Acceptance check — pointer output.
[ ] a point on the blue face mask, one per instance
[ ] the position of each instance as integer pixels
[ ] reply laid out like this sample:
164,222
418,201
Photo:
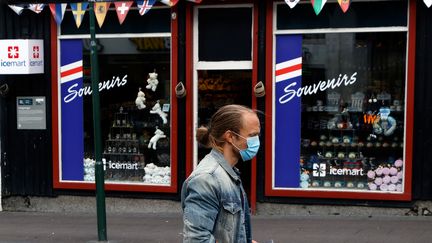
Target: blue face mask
253,144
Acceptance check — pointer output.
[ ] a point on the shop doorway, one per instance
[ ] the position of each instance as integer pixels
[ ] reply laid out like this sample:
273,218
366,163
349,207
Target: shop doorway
217,88
222,54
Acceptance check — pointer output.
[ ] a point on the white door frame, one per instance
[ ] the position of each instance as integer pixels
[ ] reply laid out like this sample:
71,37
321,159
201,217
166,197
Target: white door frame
221,65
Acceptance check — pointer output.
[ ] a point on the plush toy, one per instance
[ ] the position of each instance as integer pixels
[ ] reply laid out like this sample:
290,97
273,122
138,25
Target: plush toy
304,180
384,123
158,135
139,101
152,81
157,110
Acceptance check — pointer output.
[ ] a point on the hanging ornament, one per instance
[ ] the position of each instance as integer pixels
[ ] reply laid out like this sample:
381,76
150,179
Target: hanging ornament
318,5
37,8
58,10
292,3
145,5
17,8
78,11
344,4
101,9
170,3
122,9
428,2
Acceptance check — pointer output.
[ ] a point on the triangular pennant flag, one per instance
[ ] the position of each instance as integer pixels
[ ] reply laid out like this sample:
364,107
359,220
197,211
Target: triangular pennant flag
101,9
37,8
145,5
318,5
170,3
428,2
17,9
78,11
344,4
58,10
122,9
292,3
199,1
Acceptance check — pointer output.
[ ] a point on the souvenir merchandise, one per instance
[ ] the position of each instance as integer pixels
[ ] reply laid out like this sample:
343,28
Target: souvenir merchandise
152,81
139,101
156,109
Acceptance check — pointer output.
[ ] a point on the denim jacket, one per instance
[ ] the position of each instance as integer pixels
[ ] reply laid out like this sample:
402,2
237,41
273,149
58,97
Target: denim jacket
214,203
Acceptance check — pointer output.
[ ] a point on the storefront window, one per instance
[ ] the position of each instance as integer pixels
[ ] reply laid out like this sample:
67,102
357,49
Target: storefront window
135,102
339,108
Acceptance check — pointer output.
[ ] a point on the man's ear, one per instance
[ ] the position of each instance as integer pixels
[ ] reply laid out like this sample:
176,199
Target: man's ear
227,136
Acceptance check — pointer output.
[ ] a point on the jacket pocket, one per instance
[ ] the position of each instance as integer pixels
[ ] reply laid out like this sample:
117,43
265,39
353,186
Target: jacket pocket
230,215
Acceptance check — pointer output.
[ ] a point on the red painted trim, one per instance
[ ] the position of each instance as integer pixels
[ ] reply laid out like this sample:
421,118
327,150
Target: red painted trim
406,196
189,86
269,99
410,97
253,192
174,79
54,103
174,135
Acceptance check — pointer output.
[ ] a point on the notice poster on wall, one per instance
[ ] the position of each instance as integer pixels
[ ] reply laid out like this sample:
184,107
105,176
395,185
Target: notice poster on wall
31,112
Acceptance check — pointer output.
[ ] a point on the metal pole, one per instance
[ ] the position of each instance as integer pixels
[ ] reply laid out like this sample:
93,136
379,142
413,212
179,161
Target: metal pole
99,172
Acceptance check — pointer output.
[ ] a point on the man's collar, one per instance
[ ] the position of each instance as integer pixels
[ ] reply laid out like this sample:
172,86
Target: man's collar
232,171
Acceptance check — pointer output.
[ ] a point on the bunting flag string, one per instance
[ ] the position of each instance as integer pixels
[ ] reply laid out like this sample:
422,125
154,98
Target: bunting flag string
292,3
78,11
122,9
344,4
37,8
144,6
170,3
428,2
318,5
101,10
58,10
17,9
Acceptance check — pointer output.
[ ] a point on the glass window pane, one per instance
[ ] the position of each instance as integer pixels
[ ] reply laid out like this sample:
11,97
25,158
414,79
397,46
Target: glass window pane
219,43
350,98
135,109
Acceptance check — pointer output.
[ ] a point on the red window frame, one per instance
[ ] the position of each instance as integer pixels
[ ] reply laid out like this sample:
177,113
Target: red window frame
406,195
58,184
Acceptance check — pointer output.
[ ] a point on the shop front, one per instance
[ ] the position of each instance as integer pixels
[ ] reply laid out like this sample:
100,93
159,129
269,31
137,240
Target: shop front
341,110
336,109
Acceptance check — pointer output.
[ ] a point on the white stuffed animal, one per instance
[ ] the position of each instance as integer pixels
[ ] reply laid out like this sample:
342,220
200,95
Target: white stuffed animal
158,135
139,101
157,110
152,81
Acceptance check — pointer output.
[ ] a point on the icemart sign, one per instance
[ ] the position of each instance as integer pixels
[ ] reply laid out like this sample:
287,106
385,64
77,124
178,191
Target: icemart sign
19,56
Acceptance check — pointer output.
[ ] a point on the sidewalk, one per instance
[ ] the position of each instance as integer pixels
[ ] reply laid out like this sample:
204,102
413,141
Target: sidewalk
147,227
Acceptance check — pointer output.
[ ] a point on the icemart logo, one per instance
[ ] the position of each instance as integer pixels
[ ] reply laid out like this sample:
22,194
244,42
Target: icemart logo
320,170
13,52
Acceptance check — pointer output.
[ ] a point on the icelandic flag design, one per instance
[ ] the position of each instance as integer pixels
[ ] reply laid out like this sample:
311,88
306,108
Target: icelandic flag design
344,4
288,77
318,5
145,5
72,122
292,3
58,10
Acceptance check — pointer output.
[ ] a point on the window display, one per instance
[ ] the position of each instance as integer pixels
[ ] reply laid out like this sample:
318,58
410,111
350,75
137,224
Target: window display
339,109
135,90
